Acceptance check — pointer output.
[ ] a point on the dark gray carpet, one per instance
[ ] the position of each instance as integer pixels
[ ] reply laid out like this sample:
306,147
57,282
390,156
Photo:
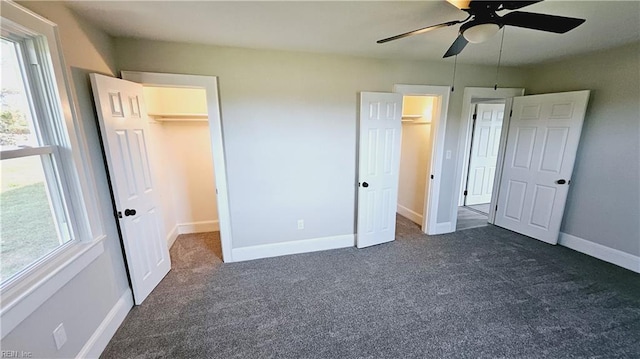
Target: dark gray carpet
469,218
478,293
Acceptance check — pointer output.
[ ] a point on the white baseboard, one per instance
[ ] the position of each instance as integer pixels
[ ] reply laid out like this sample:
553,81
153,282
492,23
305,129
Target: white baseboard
101,337
293,247
412,215
198,227
172,236
614,256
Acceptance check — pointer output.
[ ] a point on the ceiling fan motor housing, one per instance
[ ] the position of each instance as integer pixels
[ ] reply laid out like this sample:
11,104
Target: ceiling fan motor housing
483,22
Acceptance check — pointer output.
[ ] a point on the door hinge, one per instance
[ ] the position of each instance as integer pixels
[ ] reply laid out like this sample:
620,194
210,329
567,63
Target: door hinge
496,207
475,116
431,176
510,113
465,192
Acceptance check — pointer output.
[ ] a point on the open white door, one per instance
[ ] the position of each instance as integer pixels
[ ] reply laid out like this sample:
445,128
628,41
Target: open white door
123,125
484,152
541,148
379,164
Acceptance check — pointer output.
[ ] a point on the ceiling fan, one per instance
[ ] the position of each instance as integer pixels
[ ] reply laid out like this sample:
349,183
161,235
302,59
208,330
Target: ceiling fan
483,22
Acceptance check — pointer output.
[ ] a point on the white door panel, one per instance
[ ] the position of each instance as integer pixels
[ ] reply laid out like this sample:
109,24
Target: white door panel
379,164
541,148
484,152
123,125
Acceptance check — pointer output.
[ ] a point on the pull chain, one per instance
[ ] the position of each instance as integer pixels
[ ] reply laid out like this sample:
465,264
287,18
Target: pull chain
453,80
495,87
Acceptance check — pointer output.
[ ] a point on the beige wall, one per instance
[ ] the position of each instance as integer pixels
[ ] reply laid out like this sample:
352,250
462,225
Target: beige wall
182,157
83,302
190,171
414,160
183,170
160,162
604,198
289,124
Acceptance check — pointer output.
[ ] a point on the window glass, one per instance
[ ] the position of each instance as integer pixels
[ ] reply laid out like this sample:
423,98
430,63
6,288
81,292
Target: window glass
33,216
16,127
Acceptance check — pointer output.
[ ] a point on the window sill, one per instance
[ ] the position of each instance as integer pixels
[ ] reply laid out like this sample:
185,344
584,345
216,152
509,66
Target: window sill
22,300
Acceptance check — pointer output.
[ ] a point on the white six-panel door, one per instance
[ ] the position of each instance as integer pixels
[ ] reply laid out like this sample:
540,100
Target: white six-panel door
484,152
123,125
541,148
379,164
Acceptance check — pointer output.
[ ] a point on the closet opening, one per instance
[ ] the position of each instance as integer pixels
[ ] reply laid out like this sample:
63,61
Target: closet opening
415,156
181,150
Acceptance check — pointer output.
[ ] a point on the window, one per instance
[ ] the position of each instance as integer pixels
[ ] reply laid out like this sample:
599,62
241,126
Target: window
50,225
34,216
45,212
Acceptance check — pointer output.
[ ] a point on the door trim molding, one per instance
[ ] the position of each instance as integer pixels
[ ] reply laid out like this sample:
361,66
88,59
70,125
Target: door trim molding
607,254
292,247
466,122
430,223
210,84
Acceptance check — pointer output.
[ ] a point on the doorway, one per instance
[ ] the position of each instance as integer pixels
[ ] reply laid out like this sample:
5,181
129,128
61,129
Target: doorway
180,147
209,121
415,156
434,111
481,148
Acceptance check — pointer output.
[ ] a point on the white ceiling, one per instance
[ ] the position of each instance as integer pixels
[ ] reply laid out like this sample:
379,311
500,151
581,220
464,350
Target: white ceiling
352,27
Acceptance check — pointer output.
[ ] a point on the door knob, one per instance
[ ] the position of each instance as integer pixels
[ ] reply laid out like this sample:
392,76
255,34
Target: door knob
365,184
561,181
129,212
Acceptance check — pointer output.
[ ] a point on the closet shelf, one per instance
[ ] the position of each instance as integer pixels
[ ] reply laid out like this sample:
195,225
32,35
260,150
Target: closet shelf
179,116
414,119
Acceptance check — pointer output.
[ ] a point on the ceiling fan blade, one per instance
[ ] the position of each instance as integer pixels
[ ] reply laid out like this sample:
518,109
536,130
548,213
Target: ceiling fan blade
543,22
420,31
497,5
456,47
514,5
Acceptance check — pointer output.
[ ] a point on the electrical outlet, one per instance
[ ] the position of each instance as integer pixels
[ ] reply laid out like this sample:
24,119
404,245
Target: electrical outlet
301,224
60,336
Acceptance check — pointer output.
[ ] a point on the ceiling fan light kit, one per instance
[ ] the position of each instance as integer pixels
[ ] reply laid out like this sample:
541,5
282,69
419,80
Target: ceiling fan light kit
483,22
480,33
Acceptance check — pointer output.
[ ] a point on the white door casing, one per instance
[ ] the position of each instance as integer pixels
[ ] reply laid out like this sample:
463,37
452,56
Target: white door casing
378,167
472,95
540,153
430,223
210,84
124,128
484,152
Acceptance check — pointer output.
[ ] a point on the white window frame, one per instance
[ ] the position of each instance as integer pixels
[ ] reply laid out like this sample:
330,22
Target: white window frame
26,291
